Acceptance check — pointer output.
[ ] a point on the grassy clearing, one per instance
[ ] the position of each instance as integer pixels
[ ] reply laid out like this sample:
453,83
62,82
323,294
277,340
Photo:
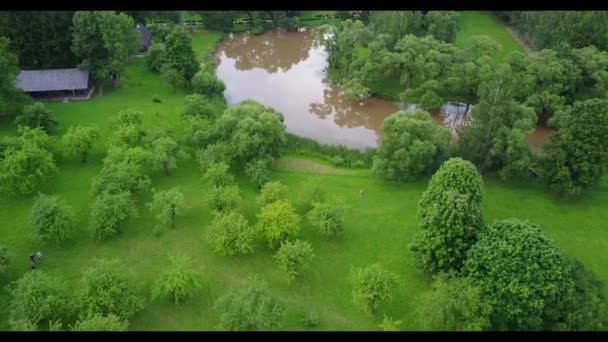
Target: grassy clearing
379,227
473,23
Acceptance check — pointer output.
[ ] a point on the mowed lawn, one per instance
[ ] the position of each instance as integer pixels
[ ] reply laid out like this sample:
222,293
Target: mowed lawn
378,228
476,23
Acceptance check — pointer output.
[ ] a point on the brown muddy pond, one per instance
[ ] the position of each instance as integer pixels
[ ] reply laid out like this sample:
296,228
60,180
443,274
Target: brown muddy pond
286,71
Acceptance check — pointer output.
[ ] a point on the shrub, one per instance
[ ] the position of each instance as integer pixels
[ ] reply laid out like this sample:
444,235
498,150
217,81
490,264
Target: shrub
231,234
311,319
278,222
293,258
371,286
224,198
52,219
178,281
272,192
328,218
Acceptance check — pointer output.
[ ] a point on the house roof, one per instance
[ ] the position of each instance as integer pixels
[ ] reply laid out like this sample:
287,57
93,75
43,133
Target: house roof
53,79
145,35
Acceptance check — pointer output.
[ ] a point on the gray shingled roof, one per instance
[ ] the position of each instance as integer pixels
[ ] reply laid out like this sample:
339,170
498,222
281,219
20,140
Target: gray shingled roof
53,79
145,35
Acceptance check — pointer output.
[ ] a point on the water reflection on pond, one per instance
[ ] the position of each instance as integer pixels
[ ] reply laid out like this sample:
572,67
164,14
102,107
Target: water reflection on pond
284,70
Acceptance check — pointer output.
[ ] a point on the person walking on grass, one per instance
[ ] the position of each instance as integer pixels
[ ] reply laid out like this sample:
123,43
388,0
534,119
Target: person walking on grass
362,193
33,261
39,255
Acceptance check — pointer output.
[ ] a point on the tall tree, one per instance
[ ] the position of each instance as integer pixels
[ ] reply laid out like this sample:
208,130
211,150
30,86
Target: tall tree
104,41
179,54
12,98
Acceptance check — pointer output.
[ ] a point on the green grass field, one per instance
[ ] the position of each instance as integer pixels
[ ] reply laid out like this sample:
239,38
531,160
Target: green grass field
476,23
378,227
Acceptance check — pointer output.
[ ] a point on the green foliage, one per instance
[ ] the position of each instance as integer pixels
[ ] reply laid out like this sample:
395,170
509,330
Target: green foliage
252,130
217,153
258,171
312,193
107,289
27,162
218,20
254,307
442,24
172,76
12,99
411,146
179,55
179,281
98,322
389,324
52,218
37,115
576,158
120,177
521,273
454,304
311,319
328,217
231,234
109,211
293,258
203,106
372,285
200,132
217,174
155,59
103,42
78,141
37,297
166,205
278,222
165,152
272,192
4,260
206,83
225,197
348,157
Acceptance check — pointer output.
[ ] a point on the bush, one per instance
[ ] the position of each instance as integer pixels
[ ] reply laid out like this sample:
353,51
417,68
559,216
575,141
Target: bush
328,218
258,171
218,175
109,211
231,234
52,219
78,141
166,205
156,99
156,57
312,193
36,115
199,105
224,198
214,154
371,286
389,324
178,281
206,83
272,192
254,307
106,290
294,257
101,323
351,157
278,222
311,319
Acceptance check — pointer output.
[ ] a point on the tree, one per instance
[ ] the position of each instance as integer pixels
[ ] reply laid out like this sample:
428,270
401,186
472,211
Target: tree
41,39
98,322
107,289
37,115
172,76
217,175
218,20
312,193
12,99
272,192
412,145
328,217
78,141
27,162
442,25
231,234
259,172
179,281
179,54
216,153
206,83
155,57
103,42
293,258
120,177
109,211
278,222
166,205
200,131
165,152
3,263
52,218
253,307
252,130
576,158
454,304
36,298
372,285
203,106
225,197
521,273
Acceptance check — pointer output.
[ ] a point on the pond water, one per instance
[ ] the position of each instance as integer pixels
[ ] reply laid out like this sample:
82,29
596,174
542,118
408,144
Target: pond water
284,70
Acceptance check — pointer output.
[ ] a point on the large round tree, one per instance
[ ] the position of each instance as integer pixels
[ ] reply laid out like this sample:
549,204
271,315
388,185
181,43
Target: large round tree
522,274
450,217
412,145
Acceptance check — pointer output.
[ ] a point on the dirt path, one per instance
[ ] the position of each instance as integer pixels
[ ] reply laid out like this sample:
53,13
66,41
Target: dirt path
306,165
524,42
